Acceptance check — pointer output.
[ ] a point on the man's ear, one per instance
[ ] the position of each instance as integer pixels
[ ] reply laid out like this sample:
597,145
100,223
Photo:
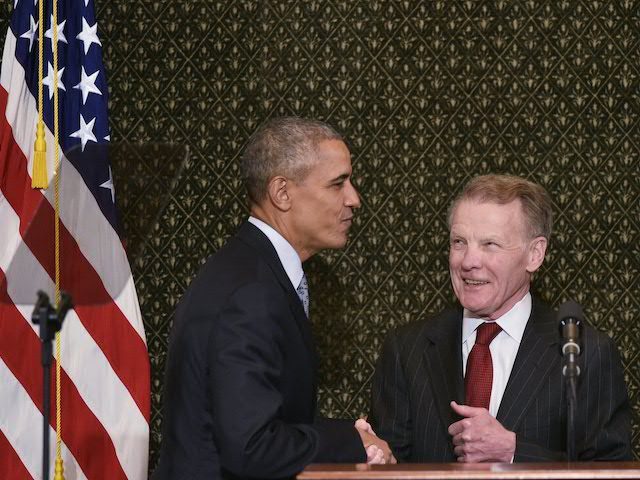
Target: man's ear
537,250
278,193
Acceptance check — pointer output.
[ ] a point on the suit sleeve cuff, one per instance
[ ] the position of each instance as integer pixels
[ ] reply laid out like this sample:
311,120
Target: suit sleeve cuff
338,442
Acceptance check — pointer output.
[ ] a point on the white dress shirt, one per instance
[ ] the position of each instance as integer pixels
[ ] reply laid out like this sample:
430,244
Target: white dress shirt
504,346
289,258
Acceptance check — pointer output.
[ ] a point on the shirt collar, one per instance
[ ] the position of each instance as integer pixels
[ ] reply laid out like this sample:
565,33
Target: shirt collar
286,253
513,322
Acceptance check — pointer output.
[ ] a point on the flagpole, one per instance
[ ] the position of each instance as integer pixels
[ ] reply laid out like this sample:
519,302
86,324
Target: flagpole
59,466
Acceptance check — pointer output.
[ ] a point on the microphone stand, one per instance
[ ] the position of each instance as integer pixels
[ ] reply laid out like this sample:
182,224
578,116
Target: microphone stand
571,372
571,317
50,321
572,399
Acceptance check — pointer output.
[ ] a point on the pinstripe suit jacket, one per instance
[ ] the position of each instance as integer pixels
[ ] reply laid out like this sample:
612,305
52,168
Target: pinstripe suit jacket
420,372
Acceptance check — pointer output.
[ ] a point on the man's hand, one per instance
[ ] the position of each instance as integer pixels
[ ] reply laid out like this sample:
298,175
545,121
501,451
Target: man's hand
378,451
479,437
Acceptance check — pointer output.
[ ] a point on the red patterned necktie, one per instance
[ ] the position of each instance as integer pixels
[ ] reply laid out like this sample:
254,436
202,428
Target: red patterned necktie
477,381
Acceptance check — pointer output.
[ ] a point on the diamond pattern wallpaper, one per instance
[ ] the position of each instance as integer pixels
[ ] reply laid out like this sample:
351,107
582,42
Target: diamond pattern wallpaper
428,94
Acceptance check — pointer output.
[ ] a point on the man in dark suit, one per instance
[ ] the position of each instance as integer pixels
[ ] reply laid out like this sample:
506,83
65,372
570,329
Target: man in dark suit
240,392
483,382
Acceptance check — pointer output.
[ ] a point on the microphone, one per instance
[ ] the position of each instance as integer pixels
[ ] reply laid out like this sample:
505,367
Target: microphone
571,318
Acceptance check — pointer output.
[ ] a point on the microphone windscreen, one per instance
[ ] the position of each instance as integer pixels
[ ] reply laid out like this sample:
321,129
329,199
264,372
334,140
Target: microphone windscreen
570,309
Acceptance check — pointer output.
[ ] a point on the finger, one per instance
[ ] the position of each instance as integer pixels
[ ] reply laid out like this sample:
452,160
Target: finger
460,426
466,449
456,428
388,456
467,457
363,425
374,461
372,452
457,439
377,459
467,411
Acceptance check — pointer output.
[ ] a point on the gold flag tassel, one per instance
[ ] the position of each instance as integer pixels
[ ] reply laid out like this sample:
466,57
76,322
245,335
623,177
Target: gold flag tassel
59,466
39,177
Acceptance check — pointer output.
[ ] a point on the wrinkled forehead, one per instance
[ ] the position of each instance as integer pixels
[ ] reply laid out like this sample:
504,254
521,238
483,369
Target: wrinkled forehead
477,215
479,202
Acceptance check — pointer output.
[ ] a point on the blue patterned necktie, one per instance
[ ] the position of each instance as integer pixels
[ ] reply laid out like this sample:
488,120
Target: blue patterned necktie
303,293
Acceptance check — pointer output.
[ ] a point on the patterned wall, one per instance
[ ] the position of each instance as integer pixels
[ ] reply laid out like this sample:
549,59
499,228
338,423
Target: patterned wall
429,94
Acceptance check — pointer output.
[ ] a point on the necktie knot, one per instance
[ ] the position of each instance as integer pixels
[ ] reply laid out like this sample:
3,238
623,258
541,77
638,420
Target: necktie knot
303,294
487,332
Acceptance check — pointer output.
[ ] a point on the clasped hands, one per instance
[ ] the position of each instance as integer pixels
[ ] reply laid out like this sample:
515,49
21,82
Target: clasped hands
479,437
378,451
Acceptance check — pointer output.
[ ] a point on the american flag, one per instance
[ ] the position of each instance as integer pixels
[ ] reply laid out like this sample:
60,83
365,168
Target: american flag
104,360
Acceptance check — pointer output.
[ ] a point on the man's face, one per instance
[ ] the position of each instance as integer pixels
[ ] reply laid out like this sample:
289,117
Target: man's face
491,258
323,202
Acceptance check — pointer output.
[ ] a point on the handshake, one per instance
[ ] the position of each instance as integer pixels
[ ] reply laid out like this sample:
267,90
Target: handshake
378,451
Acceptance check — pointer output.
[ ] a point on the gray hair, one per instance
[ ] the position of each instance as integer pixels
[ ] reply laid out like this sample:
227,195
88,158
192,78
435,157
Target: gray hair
281,146
502,189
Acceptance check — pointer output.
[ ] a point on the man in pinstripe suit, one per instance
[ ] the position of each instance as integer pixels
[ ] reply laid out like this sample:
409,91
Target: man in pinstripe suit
426,383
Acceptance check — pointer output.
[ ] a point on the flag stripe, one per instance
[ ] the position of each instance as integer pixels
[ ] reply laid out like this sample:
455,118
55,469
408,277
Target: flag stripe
10,464
87,440
25,435
78,277
81,358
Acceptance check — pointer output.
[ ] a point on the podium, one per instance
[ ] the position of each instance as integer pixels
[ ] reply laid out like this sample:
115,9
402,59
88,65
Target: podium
481,471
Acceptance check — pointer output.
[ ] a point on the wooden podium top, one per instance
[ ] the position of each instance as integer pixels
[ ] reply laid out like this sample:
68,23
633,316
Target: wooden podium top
481,471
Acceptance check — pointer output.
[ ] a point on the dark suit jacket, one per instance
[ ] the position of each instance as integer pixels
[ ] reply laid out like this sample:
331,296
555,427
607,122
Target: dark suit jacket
420,372
240,392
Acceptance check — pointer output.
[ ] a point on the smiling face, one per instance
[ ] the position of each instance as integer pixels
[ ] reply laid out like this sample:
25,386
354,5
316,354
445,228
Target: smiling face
322,202
491,258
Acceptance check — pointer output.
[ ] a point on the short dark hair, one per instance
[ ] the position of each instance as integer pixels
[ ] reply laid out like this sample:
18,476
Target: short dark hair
502,189
282,146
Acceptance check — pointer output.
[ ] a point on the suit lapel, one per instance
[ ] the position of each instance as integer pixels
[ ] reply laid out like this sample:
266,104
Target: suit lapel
252,235
537,356
443,361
